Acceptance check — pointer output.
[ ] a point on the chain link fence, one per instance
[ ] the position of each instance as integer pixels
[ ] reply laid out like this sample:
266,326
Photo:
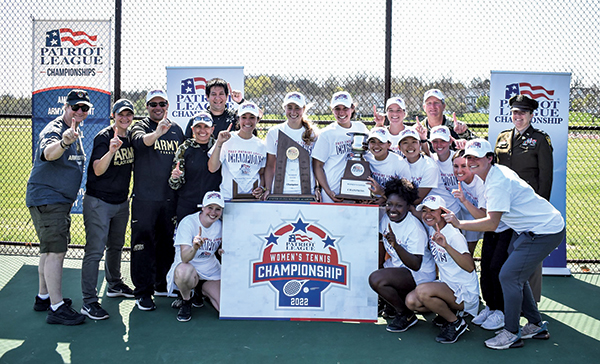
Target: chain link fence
319,47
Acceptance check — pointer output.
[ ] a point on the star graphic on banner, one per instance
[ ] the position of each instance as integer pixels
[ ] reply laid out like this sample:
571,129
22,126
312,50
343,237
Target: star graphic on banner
514,87
189,82
189,89
299,225
48,35
513,94
271,239
55,34
54,41
328,242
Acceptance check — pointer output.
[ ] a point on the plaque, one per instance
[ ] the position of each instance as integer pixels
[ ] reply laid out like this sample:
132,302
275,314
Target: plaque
236,196
354,184
291,174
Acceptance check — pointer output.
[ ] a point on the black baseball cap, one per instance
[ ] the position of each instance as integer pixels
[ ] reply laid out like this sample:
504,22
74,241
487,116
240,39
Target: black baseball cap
79,97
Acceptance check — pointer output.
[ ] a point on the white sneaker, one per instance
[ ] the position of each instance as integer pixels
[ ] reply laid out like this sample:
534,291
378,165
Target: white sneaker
495,321
482,316
504,340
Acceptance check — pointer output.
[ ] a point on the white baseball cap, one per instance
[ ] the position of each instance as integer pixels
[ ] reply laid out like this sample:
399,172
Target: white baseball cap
202,117
433,202
249,107
156,93
435,93
341,98
213,197
440,132
294,98
395,101
380,133
408,132
478,148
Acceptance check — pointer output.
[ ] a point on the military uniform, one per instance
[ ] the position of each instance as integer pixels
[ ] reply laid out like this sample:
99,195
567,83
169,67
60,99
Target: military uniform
530,155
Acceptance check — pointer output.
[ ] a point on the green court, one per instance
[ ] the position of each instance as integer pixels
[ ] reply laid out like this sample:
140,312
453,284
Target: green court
570,304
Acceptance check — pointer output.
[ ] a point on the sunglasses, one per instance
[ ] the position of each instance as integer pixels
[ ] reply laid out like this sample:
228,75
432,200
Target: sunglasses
155,104
83,108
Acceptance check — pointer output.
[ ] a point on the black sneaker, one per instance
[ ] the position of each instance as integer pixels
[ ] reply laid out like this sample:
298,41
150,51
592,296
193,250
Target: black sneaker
65,315
120,290
402,322
389,312
94,311
145,303
185,311
451,331
44,305
439,321
197,301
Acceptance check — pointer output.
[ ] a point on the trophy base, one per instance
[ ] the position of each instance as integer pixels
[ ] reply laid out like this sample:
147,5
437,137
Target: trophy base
289,197
354,189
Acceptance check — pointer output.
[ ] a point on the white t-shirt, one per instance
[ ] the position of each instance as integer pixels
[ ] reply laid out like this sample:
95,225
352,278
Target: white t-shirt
523,210
205,262
426,174
475,193
241,159
394,140
392,166
292,169
447,172
464,284
411,236
334,148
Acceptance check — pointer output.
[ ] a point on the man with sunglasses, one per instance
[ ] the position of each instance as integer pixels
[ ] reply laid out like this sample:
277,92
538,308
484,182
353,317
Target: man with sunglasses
51,190
155,140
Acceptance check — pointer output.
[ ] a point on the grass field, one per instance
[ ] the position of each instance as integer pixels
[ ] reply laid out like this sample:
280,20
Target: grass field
583,186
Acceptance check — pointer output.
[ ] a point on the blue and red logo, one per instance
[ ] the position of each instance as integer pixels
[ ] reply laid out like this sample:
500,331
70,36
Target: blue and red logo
300,260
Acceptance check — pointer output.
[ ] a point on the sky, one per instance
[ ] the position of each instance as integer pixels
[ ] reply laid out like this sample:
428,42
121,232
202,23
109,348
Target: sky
315,39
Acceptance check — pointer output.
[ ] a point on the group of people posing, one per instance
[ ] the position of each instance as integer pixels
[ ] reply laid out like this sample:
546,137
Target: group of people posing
441,188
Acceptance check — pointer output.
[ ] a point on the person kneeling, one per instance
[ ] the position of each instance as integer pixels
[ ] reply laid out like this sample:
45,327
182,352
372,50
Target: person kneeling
457,289
197,239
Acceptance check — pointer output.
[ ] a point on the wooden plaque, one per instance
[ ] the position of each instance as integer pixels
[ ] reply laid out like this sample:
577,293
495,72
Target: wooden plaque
236,196
288,149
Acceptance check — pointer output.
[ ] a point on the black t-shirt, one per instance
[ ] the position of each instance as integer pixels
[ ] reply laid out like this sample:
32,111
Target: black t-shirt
152,166
113,185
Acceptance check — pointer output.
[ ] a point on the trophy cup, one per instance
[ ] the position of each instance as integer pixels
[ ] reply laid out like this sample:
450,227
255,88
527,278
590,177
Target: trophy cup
354,185
290,151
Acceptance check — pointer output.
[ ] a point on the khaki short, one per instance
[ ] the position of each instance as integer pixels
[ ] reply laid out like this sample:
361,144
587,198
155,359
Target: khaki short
52,224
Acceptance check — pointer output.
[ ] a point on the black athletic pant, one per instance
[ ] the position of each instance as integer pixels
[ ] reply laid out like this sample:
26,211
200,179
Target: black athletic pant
152,251
494,253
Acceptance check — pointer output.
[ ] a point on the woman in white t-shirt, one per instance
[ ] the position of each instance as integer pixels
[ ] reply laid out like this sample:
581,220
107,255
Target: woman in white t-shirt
395,110
457,288
197,239
300,129
384,164
404,239
334,146
241,155
539,228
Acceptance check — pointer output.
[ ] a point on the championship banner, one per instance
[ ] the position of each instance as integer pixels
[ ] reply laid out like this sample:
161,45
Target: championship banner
71,54
551,91
299,261
186,87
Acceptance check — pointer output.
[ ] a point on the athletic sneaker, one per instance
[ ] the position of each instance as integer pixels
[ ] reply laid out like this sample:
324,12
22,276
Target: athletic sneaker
504,340
94,311
439,321
197,301
495,321
120,290
533,331
65,315
44,305
452,331
389,312
402,322
185,311
145,303
482,316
